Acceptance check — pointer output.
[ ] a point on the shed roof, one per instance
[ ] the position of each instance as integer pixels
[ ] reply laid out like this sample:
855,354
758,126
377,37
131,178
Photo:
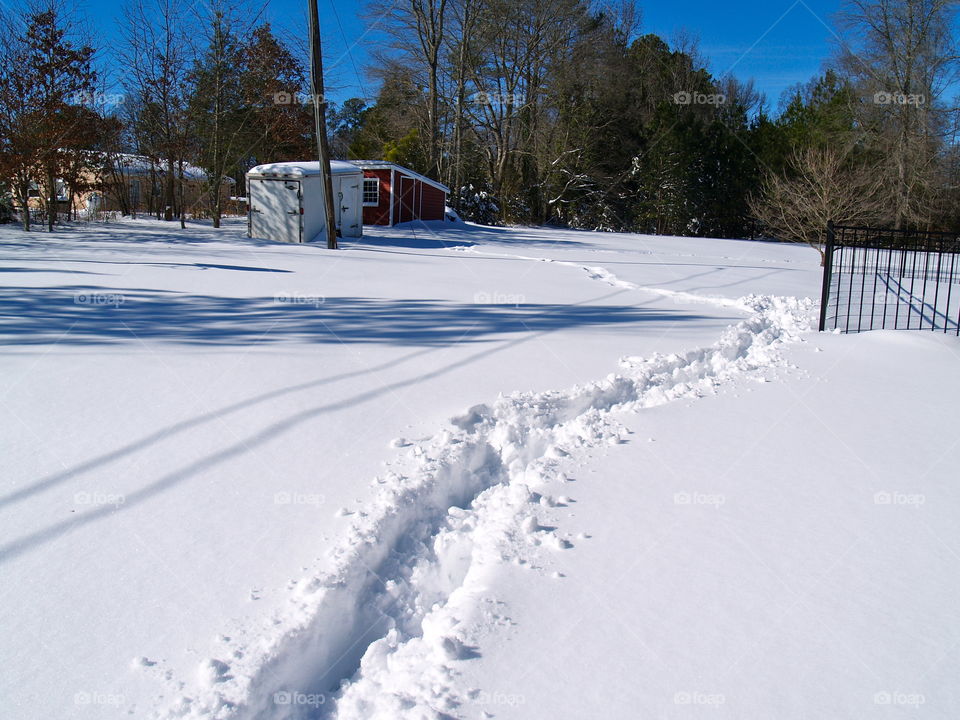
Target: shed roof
301,168
384,165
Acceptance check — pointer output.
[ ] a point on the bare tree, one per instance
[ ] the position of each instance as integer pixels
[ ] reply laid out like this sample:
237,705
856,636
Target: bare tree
461,54
820,186
903,55
520,42
158,53
417,29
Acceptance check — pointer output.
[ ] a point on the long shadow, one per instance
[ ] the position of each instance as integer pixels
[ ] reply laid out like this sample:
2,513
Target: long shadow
176,428
151,231
77,315
19,546
533,329
198,265
46,270
385,250
422,241
437,235
130,322
907,298
243,268
741,281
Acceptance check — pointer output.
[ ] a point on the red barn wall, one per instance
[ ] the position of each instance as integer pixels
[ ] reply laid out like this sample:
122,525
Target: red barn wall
423,201
433,204
379,215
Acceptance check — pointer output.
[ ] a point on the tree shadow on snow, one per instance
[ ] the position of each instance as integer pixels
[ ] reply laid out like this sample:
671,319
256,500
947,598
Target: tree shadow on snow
438,234
40,315
75,315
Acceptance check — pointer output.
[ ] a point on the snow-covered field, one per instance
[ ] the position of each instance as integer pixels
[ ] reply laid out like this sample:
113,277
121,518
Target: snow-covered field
465,472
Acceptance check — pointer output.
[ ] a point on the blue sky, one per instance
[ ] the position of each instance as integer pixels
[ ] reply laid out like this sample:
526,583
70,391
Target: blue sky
777,43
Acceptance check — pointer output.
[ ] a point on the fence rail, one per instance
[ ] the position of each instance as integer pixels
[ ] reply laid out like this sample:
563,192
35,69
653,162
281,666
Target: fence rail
897,279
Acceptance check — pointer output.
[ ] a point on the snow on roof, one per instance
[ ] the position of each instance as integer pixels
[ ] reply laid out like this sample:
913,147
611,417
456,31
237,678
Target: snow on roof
384,165
302,168
142,165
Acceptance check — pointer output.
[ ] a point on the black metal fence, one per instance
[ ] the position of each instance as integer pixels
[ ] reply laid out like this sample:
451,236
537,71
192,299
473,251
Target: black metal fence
896,279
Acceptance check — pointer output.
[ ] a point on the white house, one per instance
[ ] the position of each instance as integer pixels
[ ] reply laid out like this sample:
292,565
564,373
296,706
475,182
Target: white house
286,201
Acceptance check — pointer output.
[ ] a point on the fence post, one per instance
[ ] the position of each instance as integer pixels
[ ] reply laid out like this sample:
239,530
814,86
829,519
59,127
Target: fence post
827,272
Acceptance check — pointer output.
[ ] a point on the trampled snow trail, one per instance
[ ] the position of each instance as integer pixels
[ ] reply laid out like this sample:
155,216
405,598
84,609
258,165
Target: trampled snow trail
602,274
379,635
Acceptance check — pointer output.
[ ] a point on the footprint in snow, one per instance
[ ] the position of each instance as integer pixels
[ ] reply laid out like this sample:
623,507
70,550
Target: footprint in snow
557,543
455,649
473,417
213,671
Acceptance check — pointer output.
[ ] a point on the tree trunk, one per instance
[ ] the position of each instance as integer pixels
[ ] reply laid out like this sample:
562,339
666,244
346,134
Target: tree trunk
183,210
52,194
216,206
24,193
433,112
458,126
168,194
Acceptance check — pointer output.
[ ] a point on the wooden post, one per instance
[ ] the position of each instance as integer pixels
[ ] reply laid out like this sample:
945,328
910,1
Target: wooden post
827,275
320,118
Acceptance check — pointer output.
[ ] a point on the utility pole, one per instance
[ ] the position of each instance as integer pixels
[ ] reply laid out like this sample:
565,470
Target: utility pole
320,116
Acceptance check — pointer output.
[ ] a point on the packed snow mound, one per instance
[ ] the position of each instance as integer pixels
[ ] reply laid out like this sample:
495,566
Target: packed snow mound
380,635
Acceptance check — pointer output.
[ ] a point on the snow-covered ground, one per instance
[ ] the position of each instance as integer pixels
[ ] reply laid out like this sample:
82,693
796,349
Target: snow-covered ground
465,472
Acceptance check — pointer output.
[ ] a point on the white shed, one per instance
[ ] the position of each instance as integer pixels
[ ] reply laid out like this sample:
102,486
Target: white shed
286,201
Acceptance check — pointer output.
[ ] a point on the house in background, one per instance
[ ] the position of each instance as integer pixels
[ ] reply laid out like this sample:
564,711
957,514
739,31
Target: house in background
394,194
135,184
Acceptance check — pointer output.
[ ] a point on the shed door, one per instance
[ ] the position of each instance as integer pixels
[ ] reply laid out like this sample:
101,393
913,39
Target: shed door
349,198
275,210
407,199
